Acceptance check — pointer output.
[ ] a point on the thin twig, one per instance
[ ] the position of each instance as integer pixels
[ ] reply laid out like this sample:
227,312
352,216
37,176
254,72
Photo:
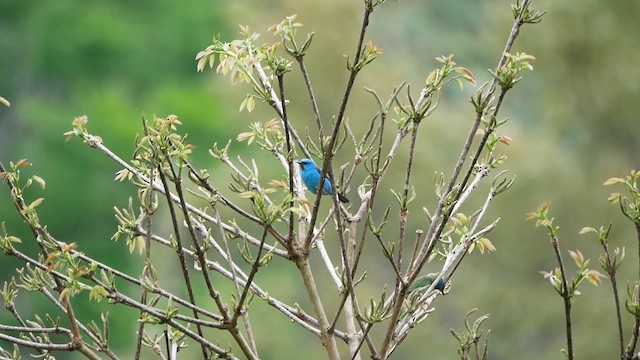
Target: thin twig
287,131
631,348
179,249
616,298
148,209
252,274
277,105
404,211
12,309
70,346
101,346
566,296
312,96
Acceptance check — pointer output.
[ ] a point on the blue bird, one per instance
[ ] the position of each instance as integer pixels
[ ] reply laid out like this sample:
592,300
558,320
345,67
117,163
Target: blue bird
311,178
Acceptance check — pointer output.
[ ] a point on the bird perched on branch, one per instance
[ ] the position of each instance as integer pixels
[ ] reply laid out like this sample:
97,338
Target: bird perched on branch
423,282
311,178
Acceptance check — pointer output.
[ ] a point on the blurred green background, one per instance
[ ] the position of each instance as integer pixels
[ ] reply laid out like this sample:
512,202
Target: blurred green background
573,121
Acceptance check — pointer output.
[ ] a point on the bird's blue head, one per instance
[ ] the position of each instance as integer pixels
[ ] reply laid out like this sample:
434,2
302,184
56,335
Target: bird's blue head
307,164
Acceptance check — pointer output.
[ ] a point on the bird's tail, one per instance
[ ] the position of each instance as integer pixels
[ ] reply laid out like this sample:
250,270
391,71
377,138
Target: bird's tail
343,198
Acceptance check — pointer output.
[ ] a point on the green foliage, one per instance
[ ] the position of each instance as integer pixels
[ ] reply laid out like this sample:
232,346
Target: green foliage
469,342
558,278
629,205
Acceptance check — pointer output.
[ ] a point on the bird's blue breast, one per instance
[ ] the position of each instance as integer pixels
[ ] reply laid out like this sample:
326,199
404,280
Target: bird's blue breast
311,178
